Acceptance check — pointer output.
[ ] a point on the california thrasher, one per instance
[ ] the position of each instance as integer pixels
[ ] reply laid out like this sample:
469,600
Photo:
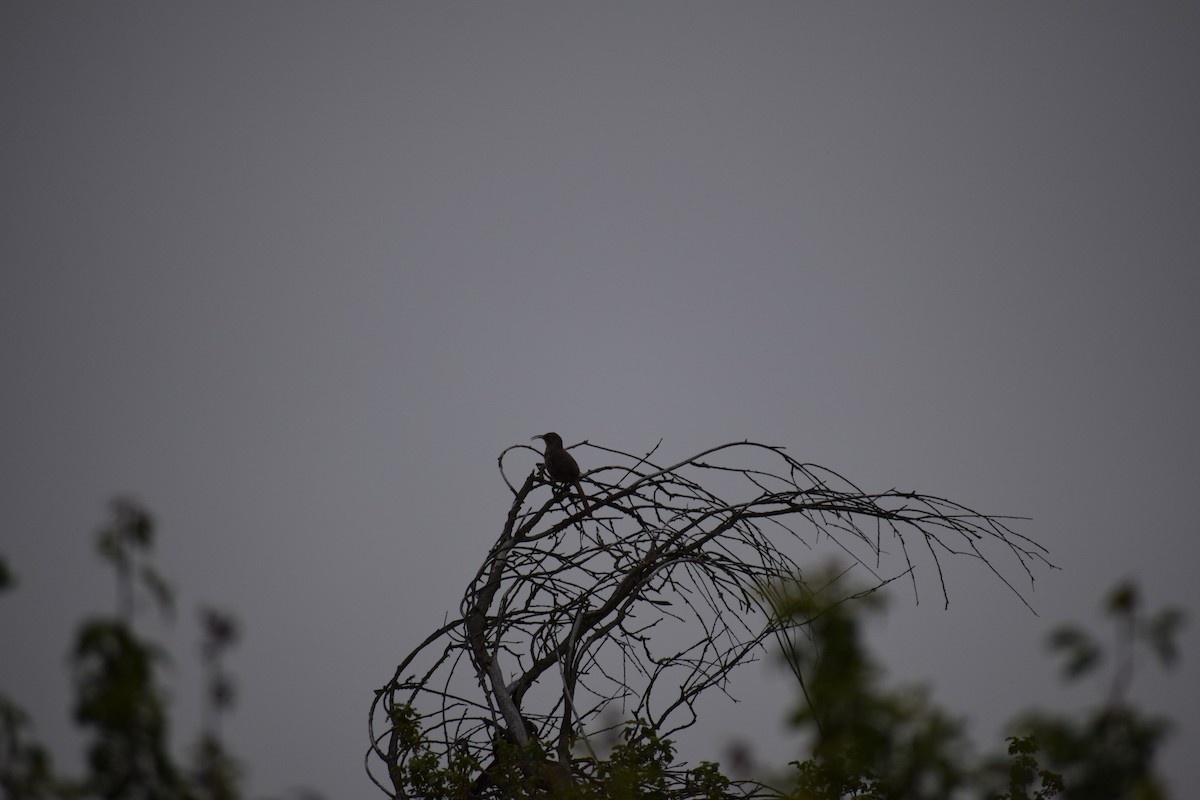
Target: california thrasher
560,465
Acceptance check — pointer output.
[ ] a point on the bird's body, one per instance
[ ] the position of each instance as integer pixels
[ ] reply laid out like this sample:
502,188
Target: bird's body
560,465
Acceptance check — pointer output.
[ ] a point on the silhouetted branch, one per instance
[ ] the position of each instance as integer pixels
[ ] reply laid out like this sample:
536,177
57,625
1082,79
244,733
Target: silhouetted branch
644,599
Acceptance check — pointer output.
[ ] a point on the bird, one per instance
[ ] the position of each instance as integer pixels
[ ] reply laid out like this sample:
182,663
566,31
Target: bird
560,465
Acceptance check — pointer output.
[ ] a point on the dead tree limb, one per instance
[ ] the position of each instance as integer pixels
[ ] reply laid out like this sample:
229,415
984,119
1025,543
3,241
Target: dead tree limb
643,600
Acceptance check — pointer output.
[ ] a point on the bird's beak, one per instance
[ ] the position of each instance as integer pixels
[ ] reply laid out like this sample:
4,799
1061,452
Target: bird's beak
539,436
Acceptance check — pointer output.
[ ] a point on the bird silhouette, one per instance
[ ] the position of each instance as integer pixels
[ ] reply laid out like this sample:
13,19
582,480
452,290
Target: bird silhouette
560,465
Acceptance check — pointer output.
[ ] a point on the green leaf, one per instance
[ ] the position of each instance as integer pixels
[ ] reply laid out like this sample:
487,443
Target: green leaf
1162,632
1080,650
1124,599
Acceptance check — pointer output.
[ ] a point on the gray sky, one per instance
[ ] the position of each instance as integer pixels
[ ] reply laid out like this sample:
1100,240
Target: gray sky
294,274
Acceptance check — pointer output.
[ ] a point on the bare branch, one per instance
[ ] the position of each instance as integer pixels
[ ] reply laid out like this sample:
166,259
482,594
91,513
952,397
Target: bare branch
647,596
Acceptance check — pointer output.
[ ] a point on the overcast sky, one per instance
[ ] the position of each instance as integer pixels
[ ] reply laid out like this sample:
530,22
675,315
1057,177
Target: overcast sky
294,274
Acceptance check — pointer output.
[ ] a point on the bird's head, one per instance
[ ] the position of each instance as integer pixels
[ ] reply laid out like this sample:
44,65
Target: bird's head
551,439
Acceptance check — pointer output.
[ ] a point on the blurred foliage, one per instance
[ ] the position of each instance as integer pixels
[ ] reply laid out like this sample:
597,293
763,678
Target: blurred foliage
26,769
869,742
863,740
1110,752
121,706
7,579
120,702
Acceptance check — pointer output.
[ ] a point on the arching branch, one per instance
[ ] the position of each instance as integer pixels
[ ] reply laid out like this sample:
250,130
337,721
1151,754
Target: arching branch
642,599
